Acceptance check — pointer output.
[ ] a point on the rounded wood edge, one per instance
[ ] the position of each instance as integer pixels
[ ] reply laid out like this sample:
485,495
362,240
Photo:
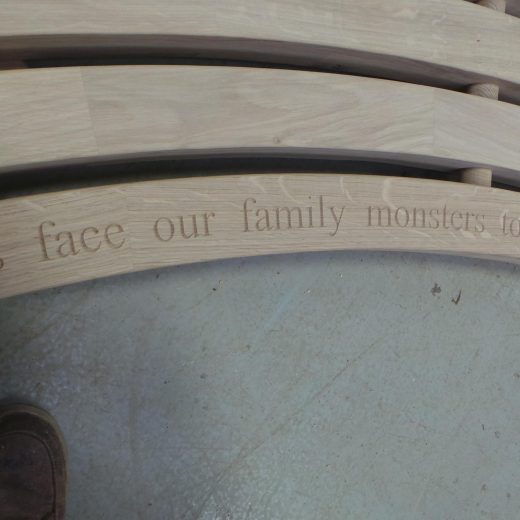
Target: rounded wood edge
486,90
479,176
54,239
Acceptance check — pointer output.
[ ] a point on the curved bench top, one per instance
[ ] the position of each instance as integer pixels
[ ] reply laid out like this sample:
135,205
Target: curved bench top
53,239
77,115
448,43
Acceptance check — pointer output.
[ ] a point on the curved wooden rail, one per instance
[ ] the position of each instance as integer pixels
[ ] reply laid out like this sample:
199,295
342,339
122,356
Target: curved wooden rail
448,43
53,239
74,115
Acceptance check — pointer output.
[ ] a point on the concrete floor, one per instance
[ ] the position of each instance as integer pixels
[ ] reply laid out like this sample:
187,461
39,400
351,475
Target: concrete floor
319,386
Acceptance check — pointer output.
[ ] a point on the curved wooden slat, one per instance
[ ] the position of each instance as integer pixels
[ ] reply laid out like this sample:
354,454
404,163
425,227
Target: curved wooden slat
447,43
53,239
53,116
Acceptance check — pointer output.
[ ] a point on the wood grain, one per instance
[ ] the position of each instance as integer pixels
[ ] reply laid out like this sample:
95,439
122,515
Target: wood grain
77,115
448,43
53,239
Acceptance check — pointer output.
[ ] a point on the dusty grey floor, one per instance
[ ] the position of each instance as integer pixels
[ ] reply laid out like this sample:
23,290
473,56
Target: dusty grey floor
326,386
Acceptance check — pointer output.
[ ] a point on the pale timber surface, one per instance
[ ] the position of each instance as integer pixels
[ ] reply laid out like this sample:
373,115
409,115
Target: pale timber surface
84,114
448,43
54,239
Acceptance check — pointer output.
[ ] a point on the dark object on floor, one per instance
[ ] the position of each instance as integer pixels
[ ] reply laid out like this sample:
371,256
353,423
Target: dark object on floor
32,465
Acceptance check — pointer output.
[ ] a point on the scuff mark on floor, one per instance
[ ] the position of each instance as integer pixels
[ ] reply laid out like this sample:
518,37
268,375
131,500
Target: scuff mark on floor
436,289
457,299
